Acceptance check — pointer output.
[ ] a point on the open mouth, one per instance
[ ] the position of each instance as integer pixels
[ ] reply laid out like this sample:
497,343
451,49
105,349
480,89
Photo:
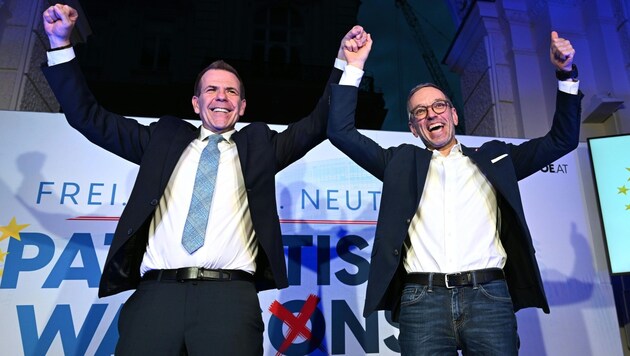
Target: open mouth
223,110
435,127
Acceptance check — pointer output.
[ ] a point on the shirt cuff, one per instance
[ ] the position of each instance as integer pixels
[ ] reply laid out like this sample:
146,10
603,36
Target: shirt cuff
60,56
340,64
351,76
569,86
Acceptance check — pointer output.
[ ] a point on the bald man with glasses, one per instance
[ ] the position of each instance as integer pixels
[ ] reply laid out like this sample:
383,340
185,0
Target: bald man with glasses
453,257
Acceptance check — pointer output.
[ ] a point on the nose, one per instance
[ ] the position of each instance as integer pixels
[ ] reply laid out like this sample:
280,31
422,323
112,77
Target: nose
430,114
221,96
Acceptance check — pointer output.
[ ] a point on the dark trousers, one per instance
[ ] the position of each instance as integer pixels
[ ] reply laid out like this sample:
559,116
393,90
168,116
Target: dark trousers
191,318
478,319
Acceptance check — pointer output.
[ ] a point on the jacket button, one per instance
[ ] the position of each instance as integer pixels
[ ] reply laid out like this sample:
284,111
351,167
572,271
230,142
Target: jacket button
154,202
408,221
395,252
130,231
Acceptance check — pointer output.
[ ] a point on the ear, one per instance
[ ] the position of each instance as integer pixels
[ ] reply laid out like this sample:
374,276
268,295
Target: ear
195,104
241,112
455,117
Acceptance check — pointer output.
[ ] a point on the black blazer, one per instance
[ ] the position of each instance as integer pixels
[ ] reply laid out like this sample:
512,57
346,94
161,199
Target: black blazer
157,148
403,170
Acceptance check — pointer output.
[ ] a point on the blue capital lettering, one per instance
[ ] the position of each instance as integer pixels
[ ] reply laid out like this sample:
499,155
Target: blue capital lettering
343,316
109,341
66,193
92,193
41,190
16,262
80,243
61,323
343,250
294,267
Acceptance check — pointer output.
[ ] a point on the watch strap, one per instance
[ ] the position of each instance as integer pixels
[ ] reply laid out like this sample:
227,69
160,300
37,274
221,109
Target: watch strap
566,75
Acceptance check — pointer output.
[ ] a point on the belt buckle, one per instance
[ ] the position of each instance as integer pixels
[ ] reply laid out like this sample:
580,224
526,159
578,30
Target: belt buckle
185,274
446,281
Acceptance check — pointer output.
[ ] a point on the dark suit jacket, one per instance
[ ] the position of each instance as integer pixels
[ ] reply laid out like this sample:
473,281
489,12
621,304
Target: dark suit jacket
157,148
403,170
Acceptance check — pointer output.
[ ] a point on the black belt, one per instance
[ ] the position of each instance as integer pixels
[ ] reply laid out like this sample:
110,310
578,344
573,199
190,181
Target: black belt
197,274
459,279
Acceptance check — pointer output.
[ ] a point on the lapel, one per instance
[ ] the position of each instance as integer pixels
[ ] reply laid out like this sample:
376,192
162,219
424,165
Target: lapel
482,158
240,139
482,161
422,156
182,138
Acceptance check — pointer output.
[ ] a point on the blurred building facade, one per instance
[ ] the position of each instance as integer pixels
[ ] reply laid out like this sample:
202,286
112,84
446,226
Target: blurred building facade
142,60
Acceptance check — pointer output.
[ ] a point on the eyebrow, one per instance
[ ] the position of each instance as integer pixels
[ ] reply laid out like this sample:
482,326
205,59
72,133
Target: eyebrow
218,86
426,106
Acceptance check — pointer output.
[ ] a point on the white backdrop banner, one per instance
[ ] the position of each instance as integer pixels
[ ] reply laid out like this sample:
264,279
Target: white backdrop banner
61,196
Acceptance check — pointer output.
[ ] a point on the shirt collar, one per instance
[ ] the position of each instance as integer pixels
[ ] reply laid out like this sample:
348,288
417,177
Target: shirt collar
457,150
205,133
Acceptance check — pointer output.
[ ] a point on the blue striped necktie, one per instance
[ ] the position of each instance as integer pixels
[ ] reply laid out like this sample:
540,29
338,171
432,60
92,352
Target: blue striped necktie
205,179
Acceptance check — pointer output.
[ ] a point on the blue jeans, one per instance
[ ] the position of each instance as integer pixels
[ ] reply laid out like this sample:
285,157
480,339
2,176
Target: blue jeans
478,319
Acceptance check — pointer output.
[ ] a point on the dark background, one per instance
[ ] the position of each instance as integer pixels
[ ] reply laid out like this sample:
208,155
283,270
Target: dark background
142,57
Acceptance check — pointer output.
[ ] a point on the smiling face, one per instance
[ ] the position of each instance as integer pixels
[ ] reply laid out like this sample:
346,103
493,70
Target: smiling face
219,101
437,131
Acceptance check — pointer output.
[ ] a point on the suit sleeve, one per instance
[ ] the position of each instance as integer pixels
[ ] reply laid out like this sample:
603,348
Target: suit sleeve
120,135
563,137
343,134
301,136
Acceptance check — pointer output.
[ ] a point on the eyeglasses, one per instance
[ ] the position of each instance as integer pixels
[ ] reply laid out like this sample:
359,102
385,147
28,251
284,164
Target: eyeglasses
420,112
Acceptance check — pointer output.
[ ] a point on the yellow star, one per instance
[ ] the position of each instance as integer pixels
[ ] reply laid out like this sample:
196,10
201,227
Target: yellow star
12,230
622,190
628,207
2,254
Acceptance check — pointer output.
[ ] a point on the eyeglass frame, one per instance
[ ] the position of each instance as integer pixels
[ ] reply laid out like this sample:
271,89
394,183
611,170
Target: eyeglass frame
412,116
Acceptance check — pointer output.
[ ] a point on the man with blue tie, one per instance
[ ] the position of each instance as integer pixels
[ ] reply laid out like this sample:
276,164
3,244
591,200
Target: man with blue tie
200,234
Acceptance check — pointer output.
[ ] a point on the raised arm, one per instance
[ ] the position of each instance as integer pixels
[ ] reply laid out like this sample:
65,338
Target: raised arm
115,133
563,137
342,131
301,136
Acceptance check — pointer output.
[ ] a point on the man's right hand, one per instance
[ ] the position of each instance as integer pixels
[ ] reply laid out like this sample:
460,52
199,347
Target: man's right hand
59,21
353,40
356,55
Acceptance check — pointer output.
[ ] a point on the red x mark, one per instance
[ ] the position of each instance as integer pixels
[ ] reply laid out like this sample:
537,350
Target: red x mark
296,324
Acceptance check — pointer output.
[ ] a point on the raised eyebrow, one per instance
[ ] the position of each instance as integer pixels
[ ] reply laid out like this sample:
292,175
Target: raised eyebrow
215,87
418,107
426,106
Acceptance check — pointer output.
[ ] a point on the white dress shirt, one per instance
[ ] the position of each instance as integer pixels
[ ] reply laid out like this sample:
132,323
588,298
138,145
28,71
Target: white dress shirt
230,241
457,223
